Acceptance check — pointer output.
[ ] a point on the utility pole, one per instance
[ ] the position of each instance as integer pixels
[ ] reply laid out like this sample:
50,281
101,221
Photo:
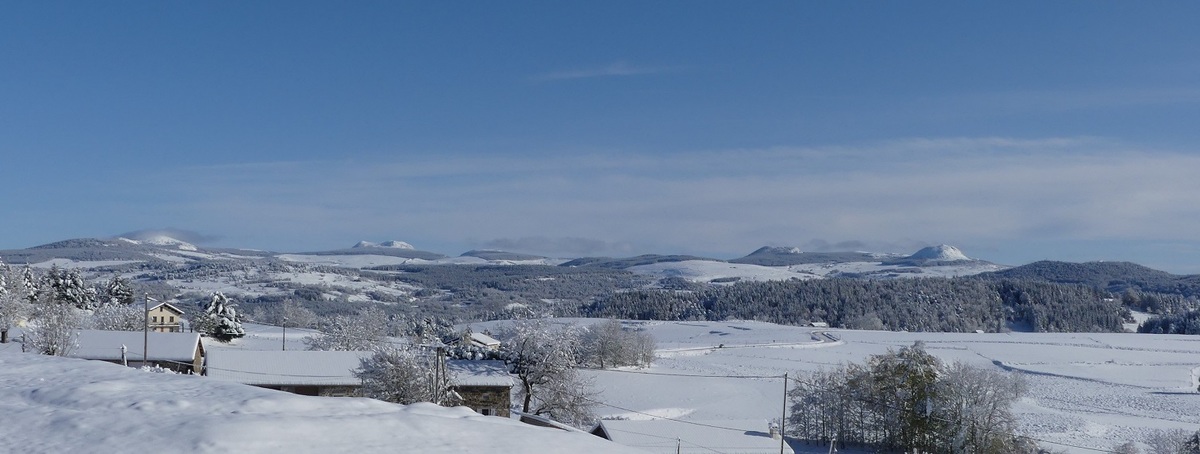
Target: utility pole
285,305
146,330
783,416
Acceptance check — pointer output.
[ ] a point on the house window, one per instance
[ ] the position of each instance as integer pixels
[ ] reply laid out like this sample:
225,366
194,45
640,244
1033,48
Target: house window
154,319
487,411
172,319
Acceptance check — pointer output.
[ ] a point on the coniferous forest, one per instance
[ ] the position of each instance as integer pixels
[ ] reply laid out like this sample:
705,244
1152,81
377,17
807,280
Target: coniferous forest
936,304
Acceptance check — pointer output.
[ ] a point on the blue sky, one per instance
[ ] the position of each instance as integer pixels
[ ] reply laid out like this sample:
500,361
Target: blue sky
1017,131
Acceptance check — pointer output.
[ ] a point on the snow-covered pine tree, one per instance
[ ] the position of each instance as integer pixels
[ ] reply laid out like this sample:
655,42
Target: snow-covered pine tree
118,291
29,284
13,307
220,319
68,287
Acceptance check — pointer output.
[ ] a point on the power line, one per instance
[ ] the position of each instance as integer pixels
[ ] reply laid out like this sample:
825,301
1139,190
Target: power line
667,374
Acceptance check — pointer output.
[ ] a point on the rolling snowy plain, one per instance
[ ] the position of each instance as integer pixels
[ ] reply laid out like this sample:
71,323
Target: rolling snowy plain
1088,392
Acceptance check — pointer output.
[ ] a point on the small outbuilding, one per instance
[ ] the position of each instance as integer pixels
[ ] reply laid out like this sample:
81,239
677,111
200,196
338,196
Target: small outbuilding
484,386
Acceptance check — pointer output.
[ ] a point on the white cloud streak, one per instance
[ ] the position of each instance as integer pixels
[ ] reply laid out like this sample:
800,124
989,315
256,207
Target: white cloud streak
960,191
615,69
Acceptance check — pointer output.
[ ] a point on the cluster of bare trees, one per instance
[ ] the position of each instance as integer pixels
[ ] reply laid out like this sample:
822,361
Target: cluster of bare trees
909,399
1173,441
610,344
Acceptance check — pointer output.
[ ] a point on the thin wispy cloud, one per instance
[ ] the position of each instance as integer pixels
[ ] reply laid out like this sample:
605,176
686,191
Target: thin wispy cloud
915,191
615,69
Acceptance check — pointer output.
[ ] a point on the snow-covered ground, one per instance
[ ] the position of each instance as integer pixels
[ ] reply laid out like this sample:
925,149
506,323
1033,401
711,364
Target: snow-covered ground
57,405
1088,392
1087,389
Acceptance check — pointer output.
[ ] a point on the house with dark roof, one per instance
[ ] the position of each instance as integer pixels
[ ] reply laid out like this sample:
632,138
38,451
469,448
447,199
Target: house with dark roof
304,372
180,352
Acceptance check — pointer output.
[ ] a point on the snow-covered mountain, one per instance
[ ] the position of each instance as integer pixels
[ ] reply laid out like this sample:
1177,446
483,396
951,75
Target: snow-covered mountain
943,252
388,244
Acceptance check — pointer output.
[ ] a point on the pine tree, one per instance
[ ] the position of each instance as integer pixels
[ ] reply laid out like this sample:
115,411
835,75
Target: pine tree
13,307
118,292
220,319
68,287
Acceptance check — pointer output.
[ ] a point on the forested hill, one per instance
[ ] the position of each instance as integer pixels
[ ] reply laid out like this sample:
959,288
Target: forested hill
934,304
1115,277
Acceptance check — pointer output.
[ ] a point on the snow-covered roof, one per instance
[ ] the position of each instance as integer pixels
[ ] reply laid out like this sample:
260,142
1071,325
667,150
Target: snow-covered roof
292,368
52,404
666,436
479,373
484,340
171,306
106,345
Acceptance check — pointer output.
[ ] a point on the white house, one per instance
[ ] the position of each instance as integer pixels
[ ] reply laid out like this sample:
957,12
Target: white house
485,341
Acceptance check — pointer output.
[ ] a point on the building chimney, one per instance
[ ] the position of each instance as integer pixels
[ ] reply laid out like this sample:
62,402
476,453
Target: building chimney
774,430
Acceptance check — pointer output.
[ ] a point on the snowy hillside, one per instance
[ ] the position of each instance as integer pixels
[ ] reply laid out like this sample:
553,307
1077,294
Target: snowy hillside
389,244
943,253
57,405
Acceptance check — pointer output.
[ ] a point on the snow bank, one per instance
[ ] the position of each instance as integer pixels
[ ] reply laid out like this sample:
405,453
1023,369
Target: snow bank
53,405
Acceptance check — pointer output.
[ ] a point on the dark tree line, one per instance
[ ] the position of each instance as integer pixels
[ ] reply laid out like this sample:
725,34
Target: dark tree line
938,304
1180,323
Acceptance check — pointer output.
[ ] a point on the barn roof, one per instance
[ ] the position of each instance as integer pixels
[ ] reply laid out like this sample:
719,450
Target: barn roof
286,368
479,373
106,345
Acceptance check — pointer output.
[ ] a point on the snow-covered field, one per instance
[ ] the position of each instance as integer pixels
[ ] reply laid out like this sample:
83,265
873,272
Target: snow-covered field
57,405
1087,390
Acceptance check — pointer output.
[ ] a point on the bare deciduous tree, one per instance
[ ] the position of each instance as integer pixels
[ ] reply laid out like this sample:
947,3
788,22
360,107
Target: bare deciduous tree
365,331
402,376
544,359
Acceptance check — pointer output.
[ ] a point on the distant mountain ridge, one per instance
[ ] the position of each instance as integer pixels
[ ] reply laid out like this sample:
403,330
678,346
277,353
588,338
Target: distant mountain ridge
388,244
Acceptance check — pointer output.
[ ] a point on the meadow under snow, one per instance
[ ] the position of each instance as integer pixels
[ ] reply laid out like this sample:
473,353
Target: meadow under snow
1088,392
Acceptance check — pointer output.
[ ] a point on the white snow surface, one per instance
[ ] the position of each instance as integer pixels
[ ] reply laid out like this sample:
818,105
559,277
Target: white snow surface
942,252
56,405
1089,390
391,244
162,240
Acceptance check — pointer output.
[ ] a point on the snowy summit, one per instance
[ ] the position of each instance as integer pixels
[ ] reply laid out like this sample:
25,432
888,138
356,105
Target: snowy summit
389,244
940,253
161,240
